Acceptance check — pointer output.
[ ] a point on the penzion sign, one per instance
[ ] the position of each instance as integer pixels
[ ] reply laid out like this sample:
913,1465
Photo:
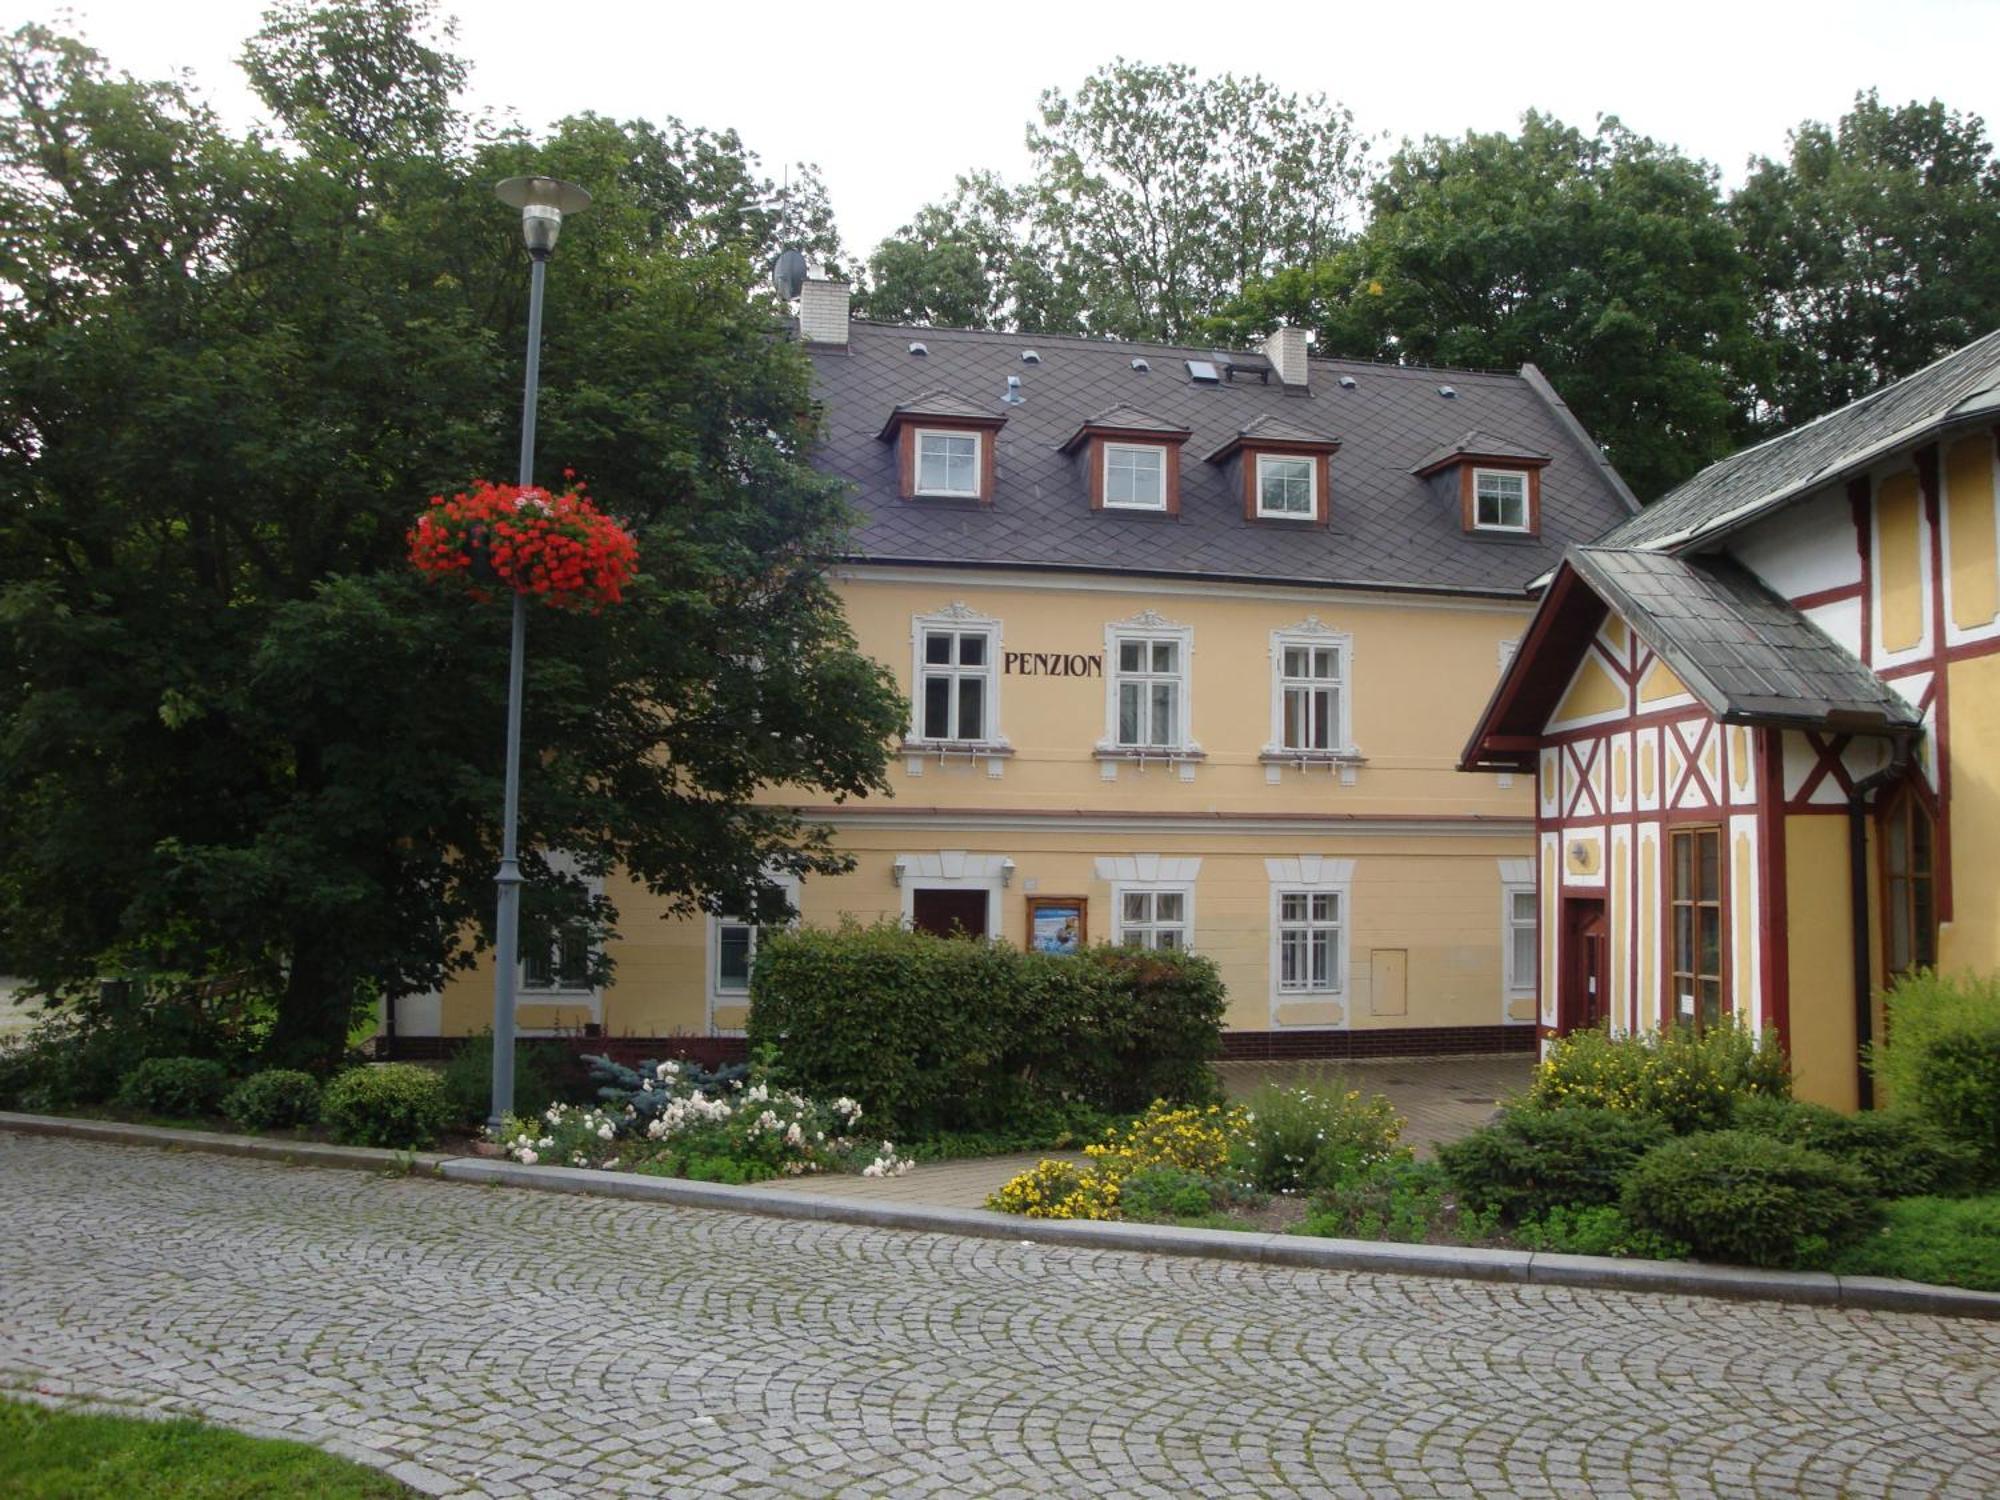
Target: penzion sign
1052,664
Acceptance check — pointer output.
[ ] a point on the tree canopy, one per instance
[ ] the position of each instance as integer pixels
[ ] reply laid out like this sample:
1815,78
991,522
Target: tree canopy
237,734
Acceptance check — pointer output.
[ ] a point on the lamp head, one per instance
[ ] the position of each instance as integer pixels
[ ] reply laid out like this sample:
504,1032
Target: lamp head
543,201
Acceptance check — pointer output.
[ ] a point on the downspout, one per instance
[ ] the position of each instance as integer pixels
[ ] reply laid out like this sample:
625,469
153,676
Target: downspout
1857,884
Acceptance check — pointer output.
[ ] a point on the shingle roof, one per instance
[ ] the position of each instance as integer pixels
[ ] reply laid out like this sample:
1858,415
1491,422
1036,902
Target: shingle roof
1478,444
1124,418
939,404
1962,387
1388,527
1749,656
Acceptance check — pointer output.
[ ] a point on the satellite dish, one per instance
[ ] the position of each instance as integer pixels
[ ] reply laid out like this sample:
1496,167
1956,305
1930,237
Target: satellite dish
788,274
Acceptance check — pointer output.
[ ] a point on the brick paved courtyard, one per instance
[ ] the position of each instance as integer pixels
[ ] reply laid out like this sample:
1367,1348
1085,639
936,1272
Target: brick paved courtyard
511,1342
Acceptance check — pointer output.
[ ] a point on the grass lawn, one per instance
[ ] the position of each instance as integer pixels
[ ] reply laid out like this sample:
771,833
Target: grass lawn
54,1455
1953,1241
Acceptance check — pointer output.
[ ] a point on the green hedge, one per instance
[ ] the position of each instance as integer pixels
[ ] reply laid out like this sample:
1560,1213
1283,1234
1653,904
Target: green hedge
1530,1163
1733,1195
942,1034
398,1105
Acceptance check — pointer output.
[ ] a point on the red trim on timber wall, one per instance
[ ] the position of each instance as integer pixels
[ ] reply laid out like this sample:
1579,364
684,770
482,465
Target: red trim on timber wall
1774,939
1927,481
1826,596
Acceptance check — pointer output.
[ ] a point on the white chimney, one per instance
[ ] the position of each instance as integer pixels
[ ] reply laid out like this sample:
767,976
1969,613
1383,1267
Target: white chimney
1286,350
823,312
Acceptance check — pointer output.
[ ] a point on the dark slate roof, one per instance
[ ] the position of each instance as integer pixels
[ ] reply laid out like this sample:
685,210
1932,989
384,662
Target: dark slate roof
1480,445
1389,527
1962,387
940,404
1744,652
1124,418
1278,429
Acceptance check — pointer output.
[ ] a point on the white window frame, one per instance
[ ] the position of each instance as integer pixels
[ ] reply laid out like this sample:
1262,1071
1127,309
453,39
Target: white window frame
1159,501
586,997
978,440
1149,628
1121,933
1520,986
1527,504
1311,875
1311,635
717,995
1311,512
961,620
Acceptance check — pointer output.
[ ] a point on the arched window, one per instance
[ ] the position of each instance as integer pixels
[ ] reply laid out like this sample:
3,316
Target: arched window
1909,884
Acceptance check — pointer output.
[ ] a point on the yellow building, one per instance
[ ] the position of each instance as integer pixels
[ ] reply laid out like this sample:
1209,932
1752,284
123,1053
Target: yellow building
1763,717
1190,639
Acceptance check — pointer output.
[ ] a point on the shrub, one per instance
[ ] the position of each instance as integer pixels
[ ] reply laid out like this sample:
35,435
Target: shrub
1738,1196
1691,1080
1531,1162
938,1034
1601,1229
1194,1139
1166,1192
275,1099
1903,1154
184,1087
1940,1054
1952,1241
540,1069
1396,1199
1058,1190
1304,1139
640,1094
399,1105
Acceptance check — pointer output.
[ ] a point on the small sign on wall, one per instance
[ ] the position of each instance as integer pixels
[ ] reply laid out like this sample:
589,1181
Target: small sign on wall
1057,924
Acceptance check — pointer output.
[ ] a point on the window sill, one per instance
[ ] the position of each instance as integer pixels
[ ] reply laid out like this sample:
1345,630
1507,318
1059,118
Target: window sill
1148,752
943,749
1273,757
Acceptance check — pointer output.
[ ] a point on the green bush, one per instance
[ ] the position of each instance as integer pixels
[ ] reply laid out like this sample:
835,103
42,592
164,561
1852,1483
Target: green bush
1734,1195
540,1070
1168,1192
1691,1080
1940,1053
1397,1199
275,1099
398,1105
1951,1241
82,1053
180,1087
1904,1154
1304,1139
1531,1162
1599,1230
935,1035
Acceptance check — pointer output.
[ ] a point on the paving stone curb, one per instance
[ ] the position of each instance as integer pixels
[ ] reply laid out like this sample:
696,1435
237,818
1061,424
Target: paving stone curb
1685,1278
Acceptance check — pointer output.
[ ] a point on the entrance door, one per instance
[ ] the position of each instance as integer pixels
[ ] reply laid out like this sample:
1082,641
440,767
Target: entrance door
1586,999
949,913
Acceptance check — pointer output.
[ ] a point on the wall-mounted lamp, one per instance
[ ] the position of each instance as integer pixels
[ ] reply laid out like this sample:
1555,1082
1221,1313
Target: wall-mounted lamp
1006,872
898,870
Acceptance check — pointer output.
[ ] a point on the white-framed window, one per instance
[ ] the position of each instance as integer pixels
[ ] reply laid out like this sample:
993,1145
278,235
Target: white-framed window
1153,916
557,960
1499,500
1311,942
1287,486
955,677
1520,928
1309,698
1135,477
732,952
1149,689
948,462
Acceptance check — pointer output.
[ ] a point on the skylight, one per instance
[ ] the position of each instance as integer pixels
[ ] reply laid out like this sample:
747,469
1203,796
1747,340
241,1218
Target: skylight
1203,372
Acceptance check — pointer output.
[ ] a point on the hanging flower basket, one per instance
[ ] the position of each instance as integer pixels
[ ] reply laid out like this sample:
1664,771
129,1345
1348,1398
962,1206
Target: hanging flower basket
558,549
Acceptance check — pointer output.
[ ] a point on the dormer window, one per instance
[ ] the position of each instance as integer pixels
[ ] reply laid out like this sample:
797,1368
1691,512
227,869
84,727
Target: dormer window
1285,487
1135,477
948,463
1500,500
944,447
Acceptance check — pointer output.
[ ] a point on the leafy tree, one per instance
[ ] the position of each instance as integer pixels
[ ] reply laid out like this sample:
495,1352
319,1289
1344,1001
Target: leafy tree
1876,244
237,734
1604,259
1157,194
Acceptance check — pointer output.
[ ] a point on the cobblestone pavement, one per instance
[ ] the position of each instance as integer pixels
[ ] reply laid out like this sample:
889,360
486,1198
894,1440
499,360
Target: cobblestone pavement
511,1342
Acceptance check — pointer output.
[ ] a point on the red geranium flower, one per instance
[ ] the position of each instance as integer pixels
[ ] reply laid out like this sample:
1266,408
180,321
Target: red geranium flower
558,548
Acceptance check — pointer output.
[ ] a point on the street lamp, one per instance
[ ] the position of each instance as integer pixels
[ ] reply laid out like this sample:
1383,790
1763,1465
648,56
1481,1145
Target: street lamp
543,201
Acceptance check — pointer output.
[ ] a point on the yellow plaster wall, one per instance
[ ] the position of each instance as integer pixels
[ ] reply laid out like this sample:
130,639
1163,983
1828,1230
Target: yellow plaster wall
1971,940
1899,580
1659,684
1592,691
1975,580
1820,952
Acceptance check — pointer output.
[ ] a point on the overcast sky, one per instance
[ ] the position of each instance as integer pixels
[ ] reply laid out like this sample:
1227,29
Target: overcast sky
893,99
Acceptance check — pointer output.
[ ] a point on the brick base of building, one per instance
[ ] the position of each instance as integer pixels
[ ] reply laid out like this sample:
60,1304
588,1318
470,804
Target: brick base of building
1237,1046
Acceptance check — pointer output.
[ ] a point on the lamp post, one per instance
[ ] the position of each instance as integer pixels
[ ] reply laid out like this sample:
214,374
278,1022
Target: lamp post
543,201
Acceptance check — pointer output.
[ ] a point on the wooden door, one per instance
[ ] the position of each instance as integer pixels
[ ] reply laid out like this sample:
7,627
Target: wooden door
1586,998
949,913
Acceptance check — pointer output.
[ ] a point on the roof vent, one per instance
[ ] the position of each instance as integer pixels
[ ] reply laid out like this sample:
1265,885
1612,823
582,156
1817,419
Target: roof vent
1203,372
1141,366
919,350
1030,357
1447,392
1347,382
1013,396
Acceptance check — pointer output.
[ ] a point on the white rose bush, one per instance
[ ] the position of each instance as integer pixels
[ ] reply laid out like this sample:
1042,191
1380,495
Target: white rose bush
677,1119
